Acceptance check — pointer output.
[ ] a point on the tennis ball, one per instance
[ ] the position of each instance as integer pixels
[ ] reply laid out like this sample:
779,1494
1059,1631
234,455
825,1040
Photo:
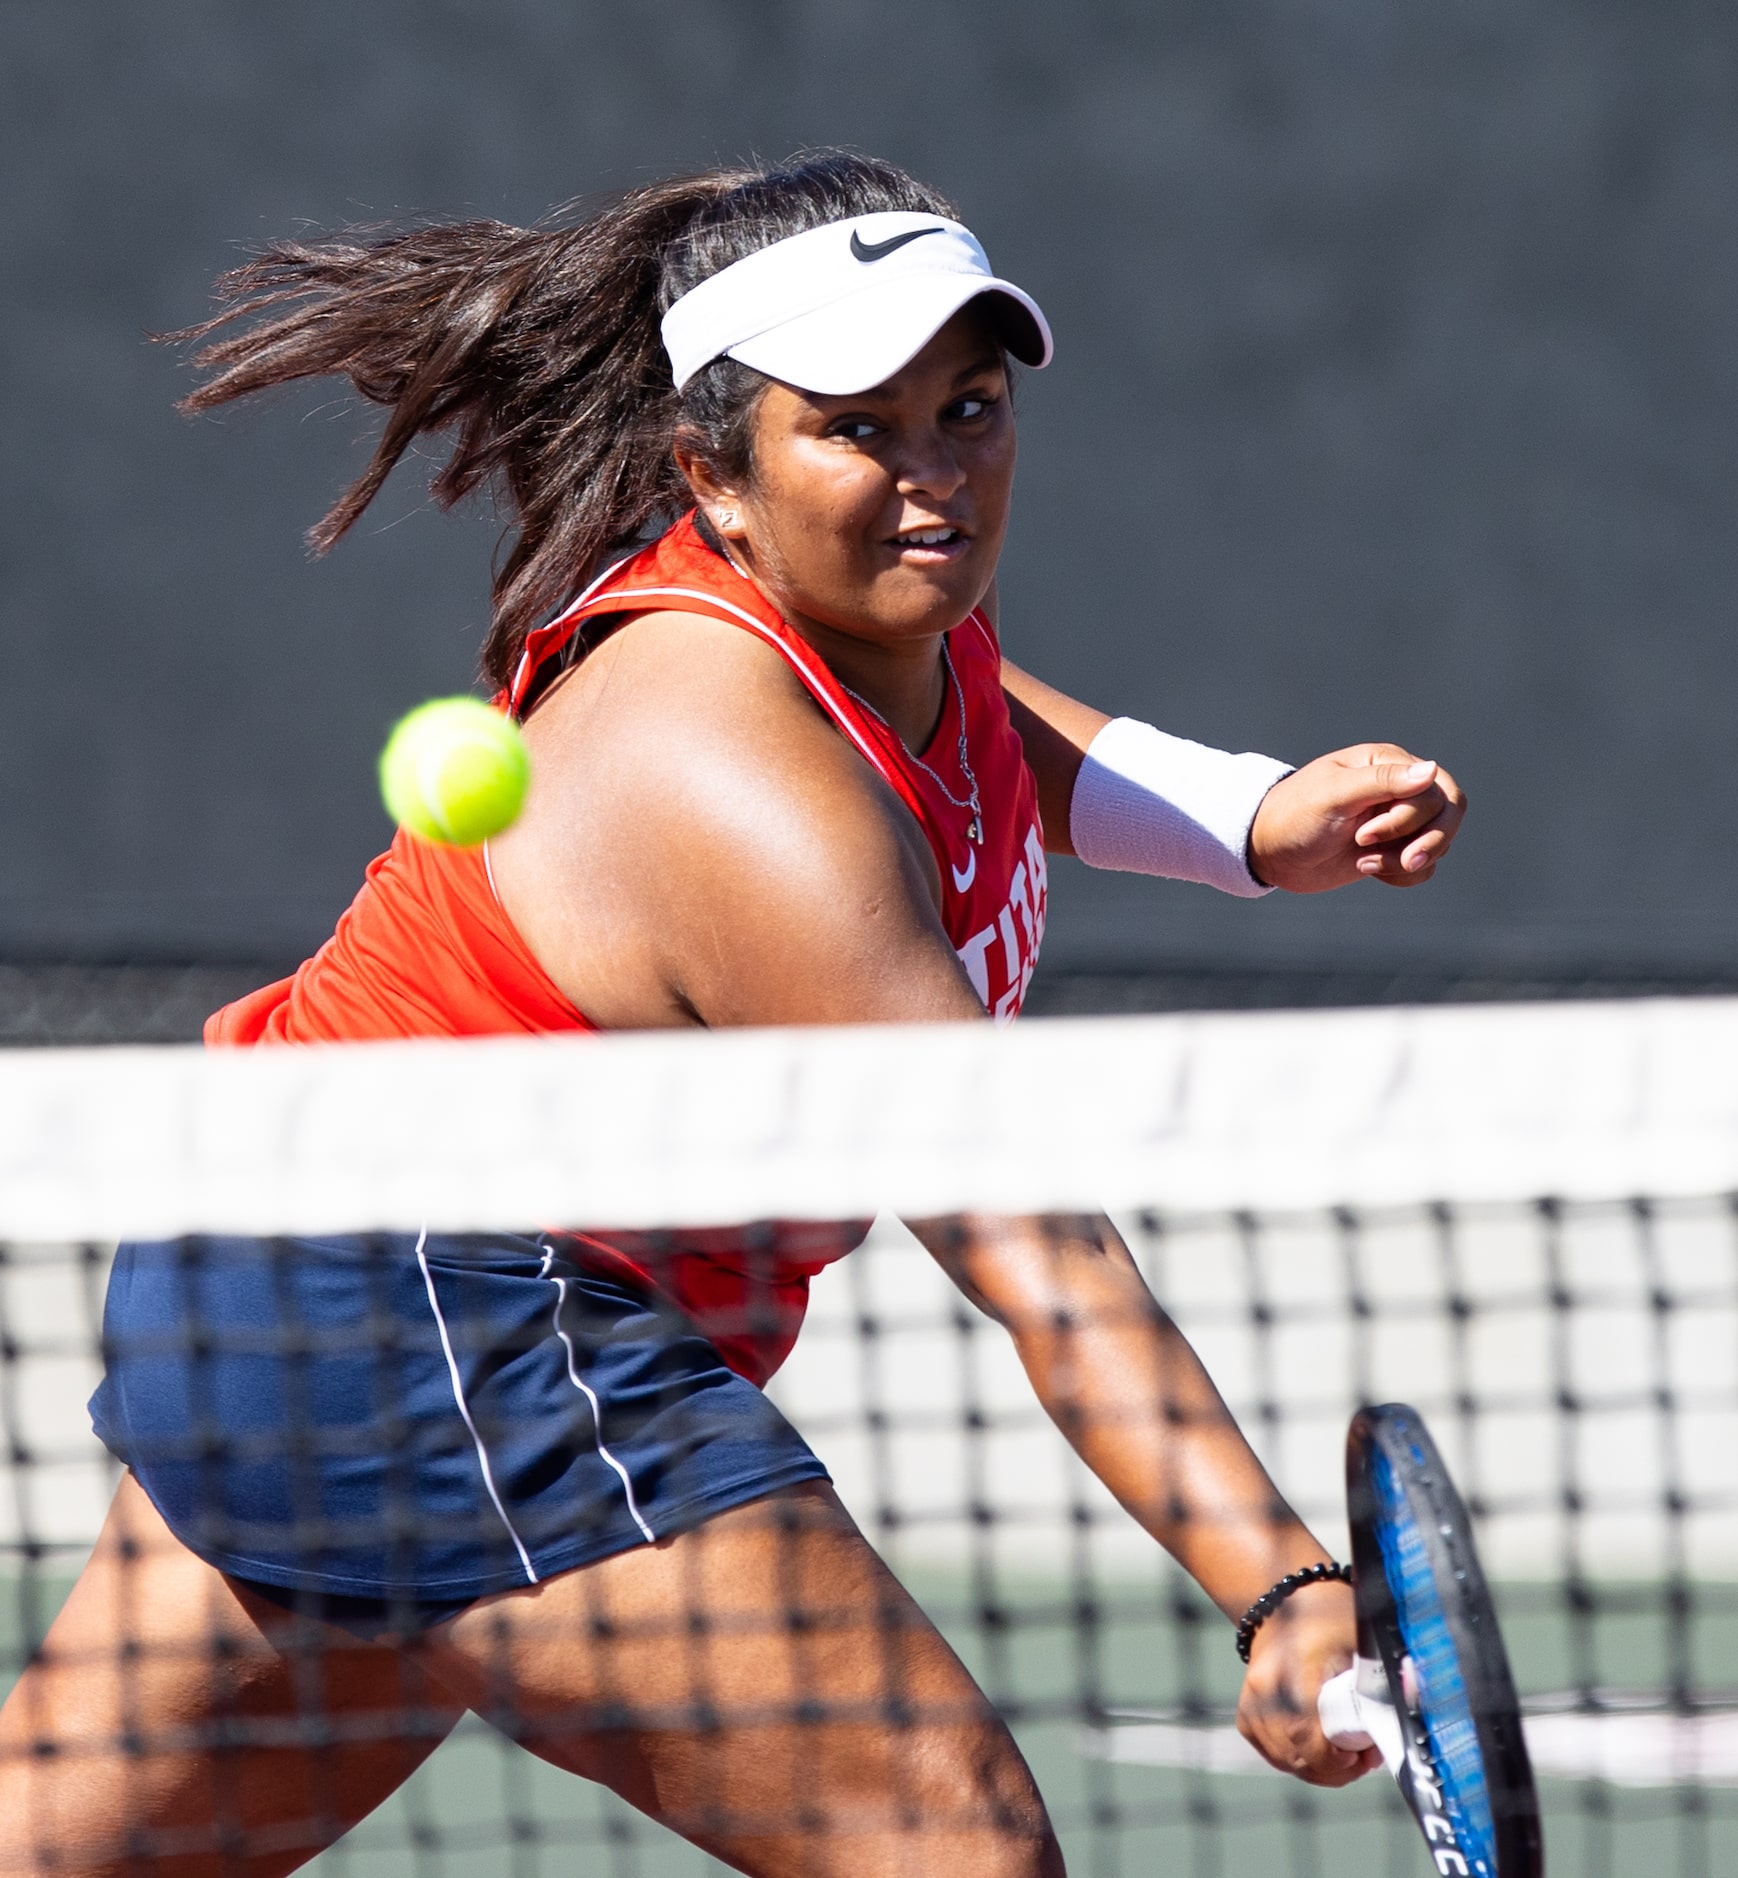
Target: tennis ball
455,770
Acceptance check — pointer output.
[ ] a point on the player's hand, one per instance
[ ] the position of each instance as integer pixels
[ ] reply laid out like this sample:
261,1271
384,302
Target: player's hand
1370,812
1308,1639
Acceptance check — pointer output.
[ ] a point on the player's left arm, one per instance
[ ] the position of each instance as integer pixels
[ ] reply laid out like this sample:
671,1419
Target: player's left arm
1372,811
1124,1386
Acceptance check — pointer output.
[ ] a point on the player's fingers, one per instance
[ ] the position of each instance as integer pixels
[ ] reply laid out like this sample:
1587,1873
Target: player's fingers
1401,860
1324,1763
1389,865
1366,776
1399,820
1425,851
1292,1742
1336,1767
1388,772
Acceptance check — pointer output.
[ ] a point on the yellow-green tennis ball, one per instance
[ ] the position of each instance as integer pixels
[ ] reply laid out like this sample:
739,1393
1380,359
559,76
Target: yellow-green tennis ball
455,770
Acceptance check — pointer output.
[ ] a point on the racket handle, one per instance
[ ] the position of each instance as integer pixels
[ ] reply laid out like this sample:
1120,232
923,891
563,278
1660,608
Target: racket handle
1352,1716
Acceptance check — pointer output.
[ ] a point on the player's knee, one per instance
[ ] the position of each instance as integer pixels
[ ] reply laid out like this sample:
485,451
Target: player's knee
1025,1847
986,1786
1032,1852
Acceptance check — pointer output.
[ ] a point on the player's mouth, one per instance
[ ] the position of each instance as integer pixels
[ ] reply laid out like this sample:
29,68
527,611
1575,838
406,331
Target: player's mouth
930,547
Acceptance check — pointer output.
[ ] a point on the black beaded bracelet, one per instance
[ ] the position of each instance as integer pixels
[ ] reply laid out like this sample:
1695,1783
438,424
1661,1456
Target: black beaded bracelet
1270,1601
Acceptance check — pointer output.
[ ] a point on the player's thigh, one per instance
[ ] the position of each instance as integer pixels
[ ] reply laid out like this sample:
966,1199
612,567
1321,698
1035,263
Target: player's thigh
175,1723
766,1687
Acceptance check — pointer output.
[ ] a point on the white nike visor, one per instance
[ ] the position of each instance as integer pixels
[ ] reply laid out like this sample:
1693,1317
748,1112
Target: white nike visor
841,308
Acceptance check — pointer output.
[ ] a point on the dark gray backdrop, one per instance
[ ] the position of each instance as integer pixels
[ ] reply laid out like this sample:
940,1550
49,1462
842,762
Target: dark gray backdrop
1395,396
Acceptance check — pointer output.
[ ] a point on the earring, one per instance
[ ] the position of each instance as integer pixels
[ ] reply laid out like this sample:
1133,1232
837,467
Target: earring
726,518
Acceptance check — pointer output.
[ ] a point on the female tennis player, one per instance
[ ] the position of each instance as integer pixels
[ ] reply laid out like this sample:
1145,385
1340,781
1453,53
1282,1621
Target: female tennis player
756,435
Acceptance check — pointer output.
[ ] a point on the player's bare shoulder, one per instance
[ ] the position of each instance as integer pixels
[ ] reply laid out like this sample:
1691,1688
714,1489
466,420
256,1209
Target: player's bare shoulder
679,722
687,786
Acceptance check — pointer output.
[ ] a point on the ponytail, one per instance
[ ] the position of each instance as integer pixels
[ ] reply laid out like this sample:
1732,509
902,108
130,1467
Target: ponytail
539,350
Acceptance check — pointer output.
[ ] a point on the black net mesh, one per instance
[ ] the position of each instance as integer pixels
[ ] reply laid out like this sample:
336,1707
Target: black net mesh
1577,1362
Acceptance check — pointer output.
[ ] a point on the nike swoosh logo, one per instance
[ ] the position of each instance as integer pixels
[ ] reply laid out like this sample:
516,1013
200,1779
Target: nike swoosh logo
963,881
879,250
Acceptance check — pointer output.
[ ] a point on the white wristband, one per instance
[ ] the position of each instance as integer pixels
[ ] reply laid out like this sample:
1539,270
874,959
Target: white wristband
1148,803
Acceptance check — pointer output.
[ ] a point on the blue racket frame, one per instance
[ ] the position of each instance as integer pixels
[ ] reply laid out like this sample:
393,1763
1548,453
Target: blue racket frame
1421,1595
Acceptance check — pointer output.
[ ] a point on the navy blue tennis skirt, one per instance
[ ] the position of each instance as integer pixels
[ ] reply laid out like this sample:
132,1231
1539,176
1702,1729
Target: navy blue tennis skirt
382,1429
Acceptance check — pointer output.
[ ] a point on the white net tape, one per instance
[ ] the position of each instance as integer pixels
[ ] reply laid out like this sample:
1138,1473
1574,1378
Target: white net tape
1199,1114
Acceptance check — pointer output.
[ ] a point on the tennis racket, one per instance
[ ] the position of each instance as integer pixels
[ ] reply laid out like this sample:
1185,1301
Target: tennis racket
1431,1686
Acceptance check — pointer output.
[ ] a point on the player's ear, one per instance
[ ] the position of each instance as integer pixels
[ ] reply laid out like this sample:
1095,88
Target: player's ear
717,497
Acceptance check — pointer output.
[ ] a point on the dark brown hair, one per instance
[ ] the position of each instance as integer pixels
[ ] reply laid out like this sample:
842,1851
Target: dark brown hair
539,350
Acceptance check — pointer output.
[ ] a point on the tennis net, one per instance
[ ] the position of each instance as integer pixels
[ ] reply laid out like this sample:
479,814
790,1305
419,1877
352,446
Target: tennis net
1521,1219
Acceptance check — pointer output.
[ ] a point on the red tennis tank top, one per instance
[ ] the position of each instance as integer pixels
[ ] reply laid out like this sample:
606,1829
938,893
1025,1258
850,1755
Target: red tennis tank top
426,949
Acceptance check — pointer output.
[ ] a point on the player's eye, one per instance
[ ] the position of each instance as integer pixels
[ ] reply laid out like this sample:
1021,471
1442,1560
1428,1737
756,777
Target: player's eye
853,429
971,408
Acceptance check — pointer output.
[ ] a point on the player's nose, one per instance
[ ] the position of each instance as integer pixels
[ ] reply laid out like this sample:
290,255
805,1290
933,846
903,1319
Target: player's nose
929,465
